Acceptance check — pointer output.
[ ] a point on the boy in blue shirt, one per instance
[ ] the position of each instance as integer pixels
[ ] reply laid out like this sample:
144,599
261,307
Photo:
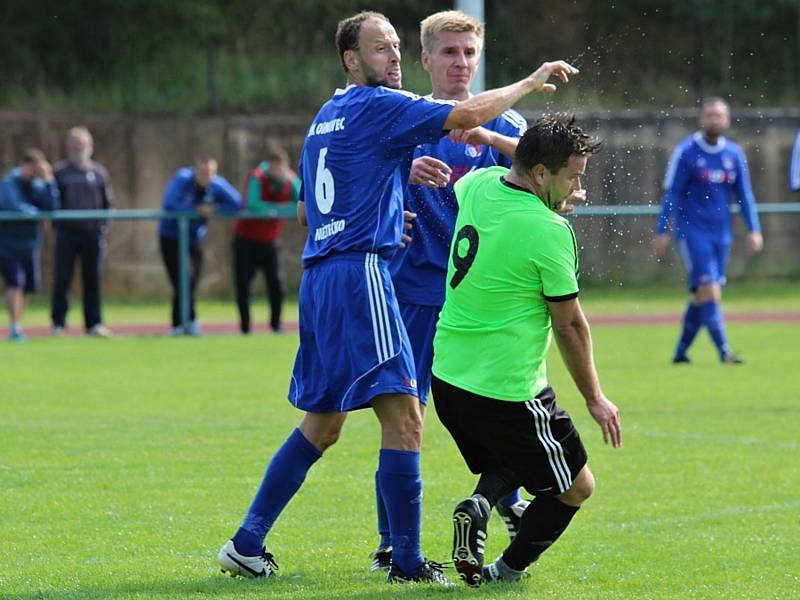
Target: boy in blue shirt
28,189
354,351
704,172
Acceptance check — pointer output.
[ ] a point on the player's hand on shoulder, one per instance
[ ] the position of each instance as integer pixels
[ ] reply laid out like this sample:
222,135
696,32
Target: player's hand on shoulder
430,172
754,242
558,68
606,414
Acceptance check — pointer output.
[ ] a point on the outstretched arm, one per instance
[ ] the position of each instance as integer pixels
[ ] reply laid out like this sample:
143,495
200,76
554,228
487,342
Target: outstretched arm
574,340
485,106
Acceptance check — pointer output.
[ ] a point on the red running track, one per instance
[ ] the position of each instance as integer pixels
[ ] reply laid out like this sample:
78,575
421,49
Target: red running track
227,328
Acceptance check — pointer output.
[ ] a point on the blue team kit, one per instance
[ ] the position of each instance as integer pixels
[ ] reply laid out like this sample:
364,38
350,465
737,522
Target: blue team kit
698,186
354,167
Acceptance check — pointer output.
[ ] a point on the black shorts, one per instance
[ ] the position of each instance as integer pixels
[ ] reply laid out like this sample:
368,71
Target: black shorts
535,439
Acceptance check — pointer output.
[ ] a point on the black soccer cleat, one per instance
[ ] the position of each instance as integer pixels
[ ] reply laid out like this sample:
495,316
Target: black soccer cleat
381,559
428,572
469,538
512,516
681,359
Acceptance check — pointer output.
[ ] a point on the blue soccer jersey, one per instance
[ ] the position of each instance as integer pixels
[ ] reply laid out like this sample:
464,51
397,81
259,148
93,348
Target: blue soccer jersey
354,167
699,187
420,270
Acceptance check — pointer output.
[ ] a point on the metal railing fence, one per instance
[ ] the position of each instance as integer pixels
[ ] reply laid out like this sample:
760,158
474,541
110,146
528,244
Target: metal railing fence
288,211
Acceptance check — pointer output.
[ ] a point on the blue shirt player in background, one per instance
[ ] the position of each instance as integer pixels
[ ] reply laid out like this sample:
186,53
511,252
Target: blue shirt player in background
354,352
704,172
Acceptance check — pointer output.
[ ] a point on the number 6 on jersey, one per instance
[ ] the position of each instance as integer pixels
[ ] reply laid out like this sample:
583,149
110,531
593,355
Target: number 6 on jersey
323,190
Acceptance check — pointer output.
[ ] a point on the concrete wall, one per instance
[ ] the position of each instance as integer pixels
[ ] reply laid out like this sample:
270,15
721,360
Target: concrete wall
142,152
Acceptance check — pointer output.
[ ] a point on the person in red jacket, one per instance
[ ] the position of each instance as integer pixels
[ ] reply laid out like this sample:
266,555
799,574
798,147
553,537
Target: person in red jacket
256,242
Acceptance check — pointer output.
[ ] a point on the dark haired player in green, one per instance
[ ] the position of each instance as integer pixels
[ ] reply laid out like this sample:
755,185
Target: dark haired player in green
512,282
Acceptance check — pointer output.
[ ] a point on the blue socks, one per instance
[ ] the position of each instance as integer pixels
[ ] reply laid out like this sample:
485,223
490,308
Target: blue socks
383,518
284,476
401,488
692,322
511,499
713,320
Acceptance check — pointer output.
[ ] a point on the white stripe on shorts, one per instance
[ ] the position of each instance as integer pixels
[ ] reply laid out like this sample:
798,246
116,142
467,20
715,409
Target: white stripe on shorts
384,346
553,449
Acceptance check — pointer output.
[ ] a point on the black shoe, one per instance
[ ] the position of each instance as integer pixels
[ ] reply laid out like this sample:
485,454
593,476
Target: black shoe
681,359
512,516
428,572
732,359
469,538
381,559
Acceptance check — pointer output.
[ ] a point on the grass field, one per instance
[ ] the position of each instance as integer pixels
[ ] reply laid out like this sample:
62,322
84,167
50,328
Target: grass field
126,463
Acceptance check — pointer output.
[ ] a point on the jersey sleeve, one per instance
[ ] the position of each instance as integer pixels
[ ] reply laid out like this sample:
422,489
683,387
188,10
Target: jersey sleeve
412,119
675,182
794,165
173,194
744,193
510,124
226,197
557,262
461,187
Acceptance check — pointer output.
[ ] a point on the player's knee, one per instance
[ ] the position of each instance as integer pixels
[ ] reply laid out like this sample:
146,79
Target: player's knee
411,429
328,439
584,485
581,489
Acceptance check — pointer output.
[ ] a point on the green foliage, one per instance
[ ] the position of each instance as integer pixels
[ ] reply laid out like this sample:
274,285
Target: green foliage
125,464
190,56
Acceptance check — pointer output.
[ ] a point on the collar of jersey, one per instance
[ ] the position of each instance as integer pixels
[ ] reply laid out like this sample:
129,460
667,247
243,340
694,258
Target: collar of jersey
347,88
519,188
706,147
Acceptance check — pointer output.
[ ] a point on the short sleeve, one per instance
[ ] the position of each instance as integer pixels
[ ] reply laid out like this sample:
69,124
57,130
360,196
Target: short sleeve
411,119
462,186
557,261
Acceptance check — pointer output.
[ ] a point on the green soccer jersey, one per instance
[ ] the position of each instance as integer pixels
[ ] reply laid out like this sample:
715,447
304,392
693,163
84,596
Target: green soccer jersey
510,255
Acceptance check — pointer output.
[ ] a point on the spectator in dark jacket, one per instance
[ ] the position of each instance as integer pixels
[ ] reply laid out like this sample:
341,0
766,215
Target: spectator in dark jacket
83,185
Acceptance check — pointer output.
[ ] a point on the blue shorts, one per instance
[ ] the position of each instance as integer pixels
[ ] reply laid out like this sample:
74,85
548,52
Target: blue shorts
420,322
705,260
353,344
20,269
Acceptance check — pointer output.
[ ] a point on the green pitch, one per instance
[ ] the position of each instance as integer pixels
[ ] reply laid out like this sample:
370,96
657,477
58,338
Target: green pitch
126,463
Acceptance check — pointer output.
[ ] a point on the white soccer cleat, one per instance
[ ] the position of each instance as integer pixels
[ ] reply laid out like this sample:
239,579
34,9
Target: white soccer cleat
251,567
